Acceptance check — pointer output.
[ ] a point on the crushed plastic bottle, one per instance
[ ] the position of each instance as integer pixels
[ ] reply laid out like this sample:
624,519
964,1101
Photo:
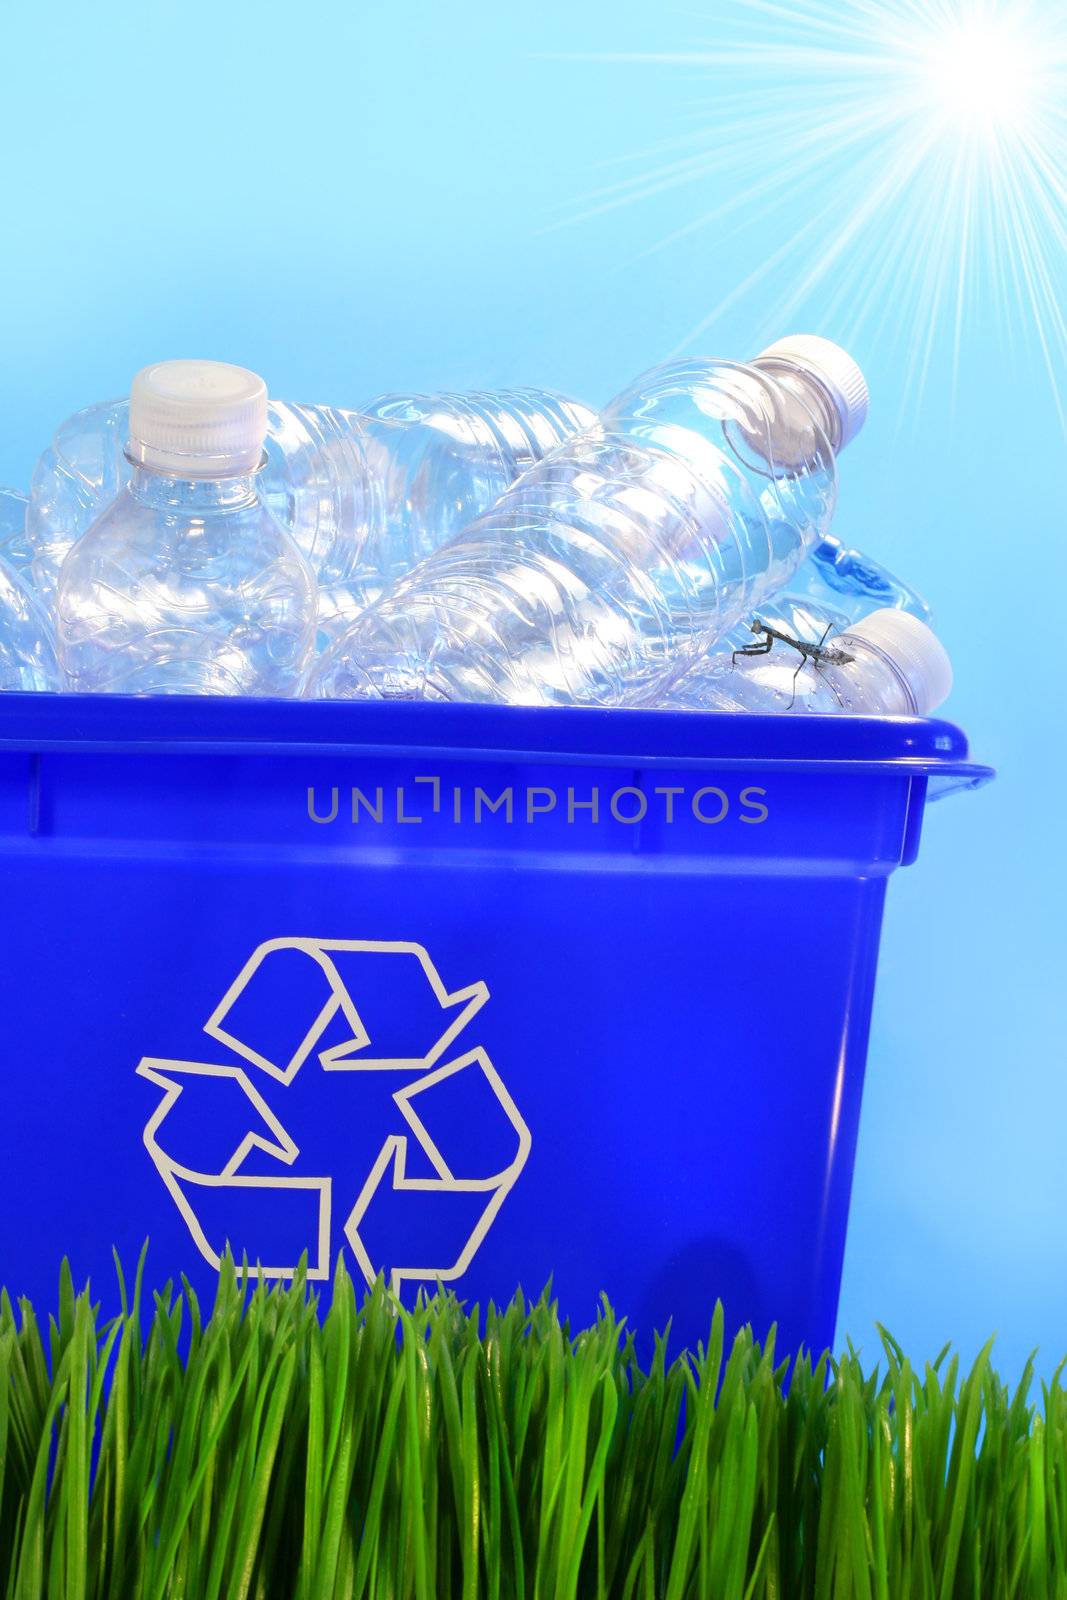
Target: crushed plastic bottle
834,586
80,473
365,494
890,663
187,583
622,556
27,647
851,582
15,546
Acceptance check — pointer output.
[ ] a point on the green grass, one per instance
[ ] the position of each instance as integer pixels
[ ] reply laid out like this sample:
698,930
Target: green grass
258,1452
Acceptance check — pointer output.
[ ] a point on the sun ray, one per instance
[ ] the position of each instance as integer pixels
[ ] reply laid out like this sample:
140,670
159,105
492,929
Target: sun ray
923,145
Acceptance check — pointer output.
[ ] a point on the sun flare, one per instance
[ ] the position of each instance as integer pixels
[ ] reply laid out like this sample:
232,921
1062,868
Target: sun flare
980,76
901,165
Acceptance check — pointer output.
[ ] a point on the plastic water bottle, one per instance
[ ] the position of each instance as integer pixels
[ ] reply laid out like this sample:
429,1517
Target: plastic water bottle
834,586
851,582
621,557
27,647
442,460
365,494
14,546
798,616
187,584
888,664
80,473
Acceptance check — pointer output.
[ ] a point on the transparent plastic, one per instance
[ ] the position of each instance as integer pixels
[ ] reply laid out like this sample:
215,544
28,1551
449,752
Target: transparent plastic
365,495
832,588
186,587
14,545
618,560
849,673
801,616
80,473
27,648
853,584
442,460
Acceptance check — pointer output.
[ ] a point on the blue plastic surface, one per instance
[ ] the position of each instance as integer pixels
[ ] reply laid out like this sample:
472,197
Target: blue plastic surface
486,994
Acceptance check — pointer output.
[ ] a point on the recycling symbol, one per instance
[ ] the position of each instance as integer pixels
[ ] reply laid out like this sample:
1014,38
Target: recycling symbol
346,1110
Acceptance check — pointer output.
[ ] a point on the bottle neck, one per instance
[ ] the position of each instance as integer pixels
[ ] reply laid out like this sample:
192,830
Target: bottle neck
876,678
805,385
192,496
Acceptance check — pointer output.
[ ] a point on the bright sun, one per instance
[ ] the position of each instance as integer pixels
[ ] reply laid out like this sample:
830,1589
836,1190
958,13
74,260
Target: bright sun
978,75
897,167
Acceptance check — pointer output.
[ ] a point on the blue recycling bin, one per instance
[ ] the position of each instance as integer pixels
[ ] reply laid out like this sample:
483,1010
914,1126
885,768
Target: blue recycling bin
472,994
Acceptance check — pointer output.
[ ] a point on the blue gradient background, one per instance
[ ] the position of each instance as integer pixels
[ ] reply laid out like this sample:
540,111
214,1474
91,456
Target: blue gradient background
351,198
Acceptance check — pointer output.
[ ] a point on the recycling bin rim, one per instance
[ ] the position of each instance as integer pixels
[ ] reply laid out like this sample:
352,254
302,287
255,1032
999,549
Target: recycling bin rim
904,746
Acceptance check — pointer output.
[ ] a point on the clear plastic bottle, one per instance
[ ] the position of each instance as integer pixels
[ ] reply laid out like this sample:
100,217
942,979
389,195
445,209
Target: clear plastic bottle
27,646
890,663
14,546
444,459
80,473
832,587
365,494
797,615
850,581
187,583
621,557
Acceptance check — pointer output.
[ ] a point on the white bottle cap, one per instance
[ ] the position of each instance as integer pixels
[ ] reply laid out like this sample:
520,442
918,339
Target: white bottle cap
835,370
197,419
913,649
